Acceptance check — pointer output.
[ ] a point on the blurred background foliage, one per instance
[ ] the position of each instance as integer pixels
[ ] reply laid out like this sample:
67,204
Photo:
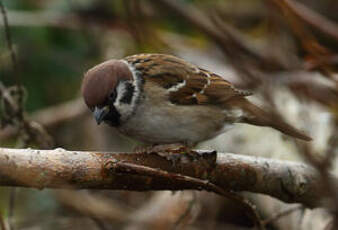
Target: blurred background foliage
52,53
265,46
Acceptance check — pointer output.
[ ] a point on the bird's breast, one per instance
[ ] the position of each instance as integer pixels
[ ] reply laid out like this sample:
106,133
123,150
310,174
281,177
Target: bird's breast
163,123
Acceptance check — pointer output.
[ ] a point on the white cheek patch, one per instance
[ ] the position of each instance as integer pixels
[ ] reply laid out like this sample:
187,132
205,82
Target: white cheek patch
127,109
124,109
121,89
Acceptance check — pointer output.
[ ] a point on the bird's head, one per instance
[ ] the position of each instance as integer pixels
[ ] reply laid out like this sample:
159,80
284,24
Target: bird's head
110,91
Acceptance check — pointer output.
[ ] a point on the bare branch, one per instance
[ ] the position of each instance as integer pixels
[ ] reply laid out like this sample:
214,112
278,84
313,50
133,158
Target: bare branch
9,41
13,106
2,222
51,116
95,206
313,18
288,181
200,184
186,213
227,38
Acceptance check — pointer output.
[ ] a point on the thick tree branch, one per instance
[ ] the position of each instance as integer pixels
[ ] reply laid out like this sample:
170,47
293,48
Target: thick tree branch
288,181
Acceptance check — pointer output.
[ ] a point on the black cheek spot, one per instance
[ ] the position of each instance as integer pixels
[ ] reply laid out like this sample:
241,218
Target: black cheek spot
128,94
113,117
112,96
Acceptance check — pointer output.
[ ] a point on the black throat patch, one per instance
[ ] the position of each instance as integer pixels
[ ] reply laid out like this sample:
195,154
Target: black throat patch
113,117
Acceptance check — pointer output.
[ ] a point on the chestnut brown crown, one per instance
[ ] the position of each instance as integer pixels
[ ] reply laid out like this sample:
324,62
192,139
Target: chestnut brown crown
100,81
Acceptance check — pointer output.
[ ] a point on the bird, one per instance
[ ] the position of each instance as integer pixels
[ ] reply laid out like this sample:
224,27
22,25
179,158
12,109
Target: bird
161,99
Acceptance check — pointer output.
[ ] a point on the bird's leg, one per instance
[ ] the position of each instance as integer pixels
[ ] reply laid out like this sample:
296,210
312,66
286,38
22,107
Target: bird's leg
173,152
178,152
142,148
171,148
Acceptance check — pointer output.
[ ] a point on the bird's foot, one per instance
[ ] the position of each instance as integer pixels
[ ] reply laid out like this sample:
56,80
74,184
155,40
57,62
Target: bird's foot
177,152
143,149
173,152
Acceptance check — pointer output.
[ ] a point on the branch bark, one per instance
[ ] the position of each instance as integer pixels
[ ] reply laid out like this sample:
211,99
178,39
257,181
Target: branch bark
288,181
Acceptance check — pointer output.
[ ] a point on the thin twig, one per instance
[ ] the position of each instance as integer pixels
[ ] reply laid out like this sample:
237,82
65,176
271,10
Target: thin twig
99,223
329,184
320,61
226,40
9,41
28,130
2,222
313,18
9,37
20,99
329,225
309,42
12,196
186,212
95,206
130,168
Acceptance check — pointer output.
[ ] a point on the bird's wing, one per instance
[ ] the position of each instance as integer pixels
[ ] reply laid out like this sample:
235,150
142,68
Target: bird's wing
186,83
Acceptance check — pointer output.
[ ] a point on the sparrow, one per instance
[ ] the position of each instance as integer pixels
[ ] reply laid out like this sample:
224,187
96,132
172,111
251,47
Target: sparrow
160,99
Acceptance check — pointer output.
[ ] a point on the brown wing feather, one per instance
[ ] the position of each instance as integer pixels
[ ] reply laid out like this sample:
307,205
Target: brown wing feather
187,84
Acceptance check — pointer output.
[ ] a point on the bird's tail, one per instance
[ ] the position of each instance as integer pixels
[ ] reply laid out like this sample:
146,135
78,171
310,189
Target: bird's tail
256,116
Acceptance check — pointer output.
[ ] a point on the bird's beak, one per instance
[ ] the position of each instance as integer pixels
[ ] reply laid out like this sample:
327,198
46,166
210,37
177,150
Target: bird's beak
100,113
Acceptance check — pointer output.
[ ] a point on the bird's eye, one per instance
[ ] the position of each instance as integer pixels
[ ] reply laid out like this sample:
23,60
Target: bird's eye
112,96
